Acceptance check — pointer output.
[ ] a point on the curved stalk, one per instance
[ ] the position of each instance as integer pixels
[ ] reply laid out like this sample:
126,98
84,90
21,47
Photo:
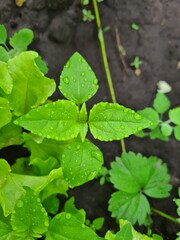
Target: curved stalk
162,214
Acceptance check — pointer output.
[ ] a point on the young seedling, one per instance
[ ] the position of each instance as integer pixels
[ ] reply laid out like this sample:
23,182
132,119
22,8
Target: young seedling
135,26
136,64
162,127
87,15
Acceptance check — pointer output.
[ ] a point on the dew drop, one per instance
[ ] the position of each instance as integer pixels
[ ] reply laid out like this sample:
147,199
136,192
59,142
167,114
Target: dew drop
122,127
137,116
97,155
125,110
69,147
83,225
139,128
82,60
46,223
66,80
99,137
95,81
68,216
92,175
43,210
20,204
67,64
83,74
78,147
85,79
16,122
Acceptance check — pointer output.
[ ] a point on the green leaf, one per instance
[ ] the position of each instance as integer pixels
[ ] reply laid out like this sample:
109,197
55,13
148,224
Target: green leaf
174,115
5,112
10,134
21,39
177,132
69,207
83,122
150,114
110,121
125,233
3,34
4,171
57,120
81,162
161,103
135,175
156,133
41,65
37,221
98,223
4,55
133,207
6,82
166,129
30,87
51,204
77,81
5,227
177,201
13,183
69,228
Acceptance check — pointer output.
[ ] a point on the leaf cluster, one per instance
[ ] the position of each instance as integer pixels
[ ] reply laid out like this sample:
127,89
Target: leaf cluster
166,121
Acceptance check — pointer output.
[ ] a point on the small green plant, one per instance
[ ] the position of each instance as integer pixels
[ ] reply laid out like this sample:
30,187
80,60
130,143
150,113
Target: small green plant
178,211
87,15
165,120
135,26
136,63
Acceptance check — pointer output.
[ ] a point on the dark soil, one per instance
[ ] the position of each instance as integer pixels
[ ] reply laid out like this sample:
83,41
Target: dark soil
59,32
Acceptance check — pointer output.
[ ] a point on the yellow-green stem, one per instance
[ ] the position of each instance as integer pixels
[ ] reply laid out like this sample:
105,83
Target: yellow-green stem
164,215
105,61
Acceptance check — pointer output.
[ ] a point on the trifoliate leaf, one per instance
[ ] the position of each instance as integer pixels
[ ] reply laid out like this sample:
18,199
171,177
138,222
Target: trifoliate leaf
5,112
177,132
161,103
6,82
4,55
57,120
21,39
135,175
29,218
30,87
150,114
125,233
174,115
110,121
10,134
69,207
69,228
77,81
81,162
3,34
166,129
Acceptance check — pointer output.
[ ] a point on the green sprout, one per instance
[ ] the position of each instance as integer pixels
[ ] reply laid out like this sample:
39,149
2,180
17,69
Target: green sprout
87,15
135,26
136,63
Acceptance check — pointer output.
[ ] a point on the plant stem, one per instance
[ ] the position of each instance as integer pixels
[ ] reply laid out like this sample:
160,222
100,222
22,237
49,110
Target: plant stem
165,215
105,61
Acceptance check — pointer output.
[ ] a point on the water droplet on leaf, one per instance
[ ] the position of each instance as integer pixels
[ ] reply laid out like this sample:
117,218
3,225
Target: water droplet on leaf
68,216
66,80
20,204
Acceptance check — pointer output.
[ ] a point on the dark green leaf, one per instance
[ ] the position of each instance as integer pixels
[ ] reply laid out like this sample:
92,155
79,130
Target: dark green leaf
78,81
110,121
51,204
166,129
177,132
57,120
161,103
21,39
150,114
29,218
4,55
174,115
5,112
30,87
69,228
3,34
81,162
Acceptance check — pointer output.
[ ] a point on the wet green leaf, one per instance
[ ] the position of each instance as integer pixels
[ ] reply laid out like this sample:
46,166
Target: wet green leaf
30,87
110,121
125,233
81,162
6,82
4,55
5,112
3,34
77,81
150,114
